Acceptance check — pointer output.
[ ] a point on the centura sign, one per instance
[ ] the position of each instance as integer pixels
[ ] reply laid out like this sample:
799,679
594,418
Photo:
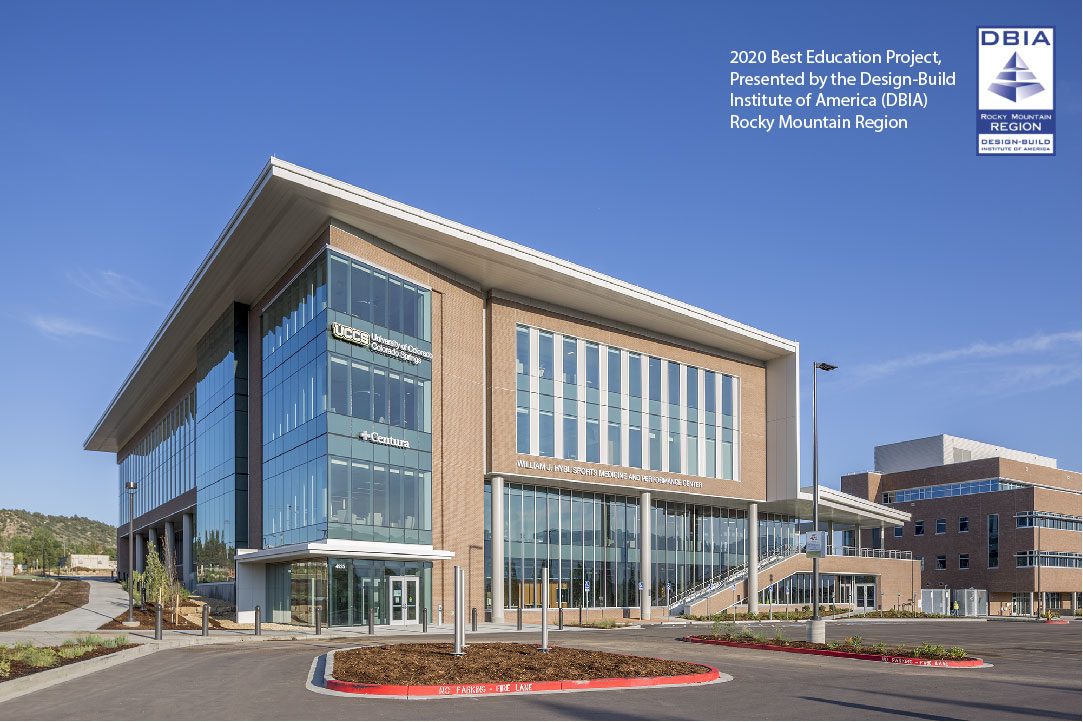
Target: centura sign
373,437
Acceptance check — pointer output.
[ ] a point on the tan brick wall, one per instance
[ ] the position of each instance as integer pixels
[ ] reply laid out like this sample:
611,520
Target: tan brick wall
505,314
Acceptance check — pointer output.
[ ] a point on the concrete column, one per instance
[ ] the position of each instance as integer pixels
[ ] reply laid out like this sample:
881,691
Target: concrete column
857,538
168,557
753,586
830,546
883,536
645,554
186,548
498,547
140,553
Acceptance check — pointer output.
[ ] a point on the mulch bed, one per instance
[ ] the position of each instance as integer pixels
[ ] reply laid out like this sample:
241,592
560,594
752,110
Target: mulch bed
898,651
16,592
146,621
70,595
22,669
492,662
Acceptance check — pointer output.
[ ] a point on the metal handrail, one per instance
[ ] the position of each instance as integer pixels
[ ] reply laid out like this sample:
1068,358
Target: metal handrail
766,560
841,551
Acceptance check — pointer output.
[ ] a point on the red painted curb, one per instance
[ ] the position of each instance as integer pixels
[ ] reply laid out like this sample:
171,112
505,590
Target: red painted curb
851,655
1054,621
473,690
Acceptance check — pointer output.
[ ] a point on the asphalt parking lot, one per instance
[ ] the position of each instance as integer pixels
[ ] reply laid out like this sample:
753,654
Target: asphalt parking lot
1036,674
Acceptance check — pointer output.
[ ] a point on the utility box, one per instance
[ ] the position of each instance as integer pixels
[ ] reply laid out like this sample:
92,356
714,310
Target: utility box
972,602
936,601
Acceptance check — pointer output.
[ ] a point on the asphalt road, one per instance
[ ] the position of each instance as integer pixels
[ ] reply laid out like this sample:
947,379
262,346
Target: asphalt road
1036,675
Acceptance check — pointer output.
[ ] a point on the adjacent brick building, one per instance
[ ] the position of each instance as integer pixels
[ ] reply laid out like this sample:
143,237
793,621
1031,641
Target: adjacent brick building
981,517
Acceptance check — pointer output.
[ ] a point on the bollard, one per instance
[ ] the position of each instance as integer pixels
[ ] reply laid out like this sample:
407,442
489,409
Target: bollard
425,619
580,614
158,621
258,621
205,631
474,619
560,618
519,617
372,622
457,619
439,615
319,628
544,648
462,607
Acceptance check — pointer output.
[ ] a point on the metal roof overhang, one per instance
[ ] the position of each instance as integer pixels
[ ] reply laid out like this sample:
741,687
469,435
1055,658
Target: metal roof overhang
837,507
288,205
344,548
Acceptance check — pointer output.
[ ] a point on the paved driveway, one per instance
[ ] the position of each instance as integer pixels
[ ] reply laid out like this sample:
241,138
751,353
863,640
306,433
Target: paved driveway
1036,675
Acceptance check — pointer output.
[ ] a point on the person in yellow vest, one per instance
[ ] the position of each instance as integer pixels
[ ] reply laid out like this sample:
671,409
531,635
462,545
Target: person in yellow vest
955,609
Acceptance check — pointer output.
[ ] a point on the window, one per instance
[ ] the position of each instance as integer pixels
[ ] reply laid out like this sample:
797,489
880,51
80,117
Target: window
545,356
898,531
592,379
964,523
964,561
943,491
614,371
571,437
993,526
941,526
522,350
919,528
571,363
941,561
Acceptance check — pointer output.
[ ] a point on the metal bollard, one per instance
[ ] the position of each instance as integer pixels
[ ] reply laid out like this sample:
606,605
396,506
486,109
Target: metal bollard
474,619
560,617
425,620
158,621
519,618
544,648
458,621
258,621
205,631
439,615
372,622
319,627
580,614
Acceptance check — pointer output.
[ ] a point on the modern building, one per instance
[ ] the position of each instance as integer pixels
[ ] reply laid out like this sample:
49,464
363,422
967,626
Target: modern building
351,396
983,518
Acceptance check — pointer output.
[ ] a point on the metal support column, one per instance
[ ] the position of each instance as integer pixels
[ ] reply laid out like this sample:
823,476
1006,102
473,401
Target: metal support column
753,546
498,548
645,554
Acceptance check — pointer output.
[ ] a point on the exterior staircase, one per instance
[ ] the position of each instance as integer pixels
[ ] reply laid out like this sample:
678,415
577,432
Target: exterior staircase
727,580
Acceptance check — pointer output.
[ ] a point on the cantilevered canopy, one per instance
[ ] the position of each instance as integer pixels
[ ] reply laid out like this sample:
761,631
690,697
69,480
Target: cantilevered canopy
837,507
288,205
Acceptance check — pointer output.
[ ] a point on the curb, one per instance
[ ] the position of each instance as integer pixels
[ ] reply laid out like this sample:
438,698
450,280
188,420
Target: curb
851,655
1055,621
415,691
41,680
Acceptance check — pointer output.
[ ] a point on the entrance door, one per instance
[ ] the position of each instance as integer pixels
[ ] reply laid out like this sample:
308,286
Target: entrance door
865,597
405,598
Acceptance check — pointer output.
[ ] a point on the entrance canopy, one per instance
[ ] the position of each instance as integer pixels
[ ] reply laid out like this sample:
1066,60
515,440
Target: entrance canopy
345,548
838,507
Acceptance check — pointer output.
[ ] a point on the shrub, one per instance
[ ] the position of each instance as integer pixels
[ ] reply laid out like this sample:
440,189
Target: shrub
956,653
73,651
90,640
759,638
38,657
854,642
930,651
833,645
5,668
121,640
881,648
779,639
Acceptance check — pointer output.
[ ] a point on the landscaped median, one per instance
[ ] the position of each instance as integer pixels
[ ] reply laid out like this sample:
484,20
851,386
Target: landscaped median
925,655
25,659
498,668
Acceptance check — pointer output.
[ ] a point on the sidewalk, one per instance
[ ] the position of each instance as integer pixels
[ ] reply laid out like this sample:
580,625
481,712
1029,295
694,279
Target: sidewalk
107,600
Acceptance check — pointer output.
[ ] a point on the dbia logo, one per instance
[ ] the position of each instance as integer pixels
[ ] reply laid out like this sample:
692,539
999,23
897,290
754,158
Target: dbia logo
1015,81
1015,37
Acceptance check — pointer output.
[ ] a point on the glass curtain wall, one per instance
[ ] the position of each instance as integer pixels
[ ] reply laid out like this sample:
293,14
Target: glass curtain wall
162,463
221,445
590,543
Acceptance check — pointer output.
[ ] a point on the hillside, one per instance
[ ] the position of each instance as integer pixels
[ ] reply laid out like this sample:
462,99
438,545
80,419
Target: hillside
69,531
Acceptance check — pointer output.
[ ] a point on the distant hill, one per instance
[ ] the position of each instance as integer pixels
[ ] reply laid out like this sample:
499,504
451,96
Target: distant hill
71,531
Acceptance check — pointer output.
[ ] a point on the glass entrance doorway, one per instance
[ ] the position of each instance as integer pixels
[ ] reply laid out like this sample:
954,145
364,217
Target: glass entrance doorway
404,600
864,597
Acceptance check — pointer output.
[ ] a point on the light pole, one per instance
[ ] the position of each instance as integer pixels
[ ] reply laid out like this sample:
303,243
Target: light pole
816,628
131,486
1038,562
43,523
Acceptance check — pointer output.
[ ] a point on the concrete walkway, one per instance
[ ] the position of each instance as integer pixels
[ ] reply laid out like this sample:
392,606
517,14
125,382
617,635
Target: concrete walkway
107,600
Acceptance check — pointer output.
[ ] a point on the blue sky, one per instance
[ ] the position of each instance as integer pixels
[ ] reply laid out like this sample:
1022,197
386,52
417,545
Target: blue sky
945,286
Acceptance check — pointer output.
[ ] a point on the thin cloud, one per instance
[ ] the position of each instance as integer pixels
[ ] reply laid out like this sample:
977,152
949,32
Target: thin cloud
1039,343
113,286
56,327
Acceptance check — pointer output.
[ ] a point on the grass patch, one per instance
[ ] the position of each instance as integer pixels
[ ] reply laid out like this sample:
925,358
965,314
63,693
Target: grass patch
600,624
854,644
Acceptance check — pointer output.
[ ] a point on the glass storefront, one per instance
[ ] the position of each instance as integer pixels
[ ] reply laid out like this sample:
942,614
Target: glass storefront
590,543
397,592
858,591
